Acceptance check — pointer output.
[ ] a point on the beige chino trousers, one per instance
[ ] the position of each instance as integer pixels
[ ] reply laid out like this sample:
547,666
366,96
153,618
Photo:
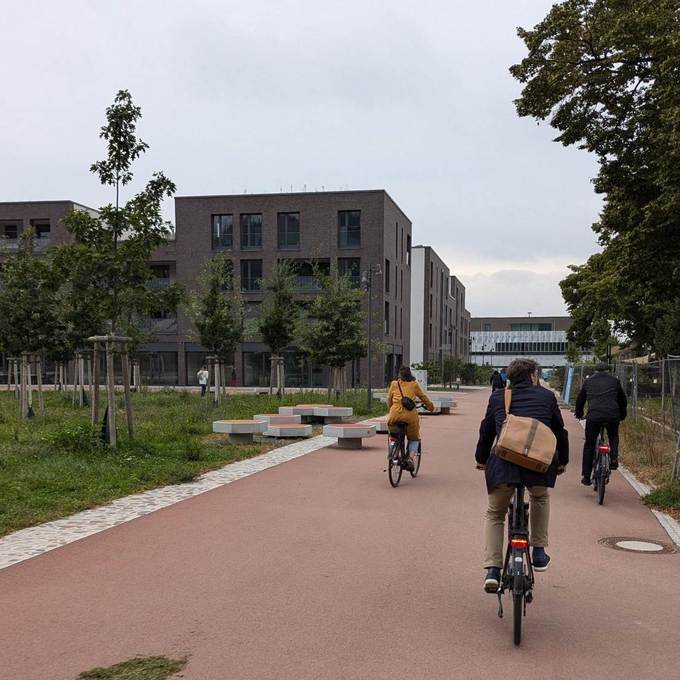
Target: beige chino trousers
496,512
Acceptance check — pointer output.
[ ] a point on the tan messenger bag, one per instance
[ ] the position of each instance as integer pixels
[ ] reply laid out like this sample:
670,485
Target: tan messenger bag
526,442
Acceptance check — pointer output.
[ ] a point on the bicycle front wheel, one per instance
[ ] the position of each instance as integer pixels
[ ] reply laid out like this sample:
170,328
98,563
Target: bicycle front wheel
517,613
416,463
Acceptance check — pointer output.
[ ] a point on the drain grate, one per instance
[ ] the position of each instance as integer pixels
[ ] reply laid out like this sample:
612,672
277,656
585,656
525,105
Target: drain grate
637,545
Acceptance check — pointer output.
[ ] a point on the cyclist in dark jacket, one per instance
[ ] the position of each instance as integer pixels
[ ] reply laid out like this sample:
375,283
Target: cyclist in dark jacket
607,406
531,400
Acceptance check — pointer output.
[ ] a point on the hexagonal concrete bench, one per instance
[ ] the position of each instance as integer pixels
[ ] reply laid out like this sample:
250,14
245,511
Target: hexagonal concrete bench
333,414
349,435
380,424
239,431
443,404
286,430
278,419
305,411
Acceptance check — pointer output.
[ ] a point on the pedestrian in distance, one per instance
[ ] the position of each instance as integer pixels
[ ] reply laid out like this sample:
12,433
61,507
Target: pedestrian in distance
529,399
496,381
202,376
504,376
607,407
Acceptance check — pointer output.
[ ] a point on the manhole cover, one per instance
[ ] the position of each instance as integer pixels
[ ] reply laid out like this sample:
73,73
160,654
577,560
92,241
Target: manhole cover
638,545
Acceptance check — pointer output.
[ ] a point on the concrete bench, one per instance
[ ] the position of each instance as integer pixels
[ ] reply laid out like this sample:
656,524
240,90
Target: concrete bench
239,431
380,424
349,435
443,404
333,414
285,430
305,411
278,419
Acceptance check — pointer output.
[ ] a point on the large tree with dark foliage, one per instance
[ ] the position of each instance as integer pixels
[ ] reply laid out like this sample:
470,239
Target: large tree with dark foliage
606,73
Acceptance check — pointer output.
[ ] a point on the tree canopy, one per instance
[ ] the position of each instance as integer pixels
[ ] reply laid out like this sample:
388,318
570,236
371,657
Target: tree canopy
606,73
113,247
279,311
217,311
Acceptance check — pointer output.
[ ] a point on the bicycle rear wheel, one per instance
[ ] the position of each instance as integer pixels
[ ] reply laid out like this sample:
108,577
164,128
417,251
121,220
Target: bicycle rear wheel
394,468
517,613
601,485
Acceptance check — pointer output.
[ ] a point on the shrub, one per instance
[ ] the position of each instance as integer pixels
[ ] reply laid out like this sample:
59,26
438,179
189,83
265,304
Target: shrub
82,438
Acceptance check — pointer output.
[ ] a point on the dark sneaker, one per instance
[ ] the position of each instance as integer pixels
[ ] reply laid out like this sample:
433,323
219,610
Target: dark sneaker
585,481
408,465
614,463
540,560
493,578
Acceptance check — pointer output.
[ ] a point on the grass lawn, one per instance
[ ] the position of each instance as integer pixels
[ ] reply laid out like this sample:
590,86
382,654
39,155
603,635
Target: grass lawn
148,668
57,466
648,450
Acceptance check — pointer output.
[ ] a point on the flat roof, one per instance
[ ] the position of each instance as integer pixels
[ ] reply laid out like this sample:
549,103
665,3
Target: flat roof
59,200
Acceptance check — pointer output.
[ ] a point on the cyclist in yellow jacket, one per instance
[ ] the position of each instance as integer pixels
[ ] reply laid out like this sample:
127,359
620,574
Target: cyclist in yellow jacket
406,386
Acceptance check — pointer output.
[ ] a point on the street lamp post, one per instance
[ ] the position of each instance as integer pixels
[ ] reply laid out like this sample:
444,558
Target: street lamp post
367,283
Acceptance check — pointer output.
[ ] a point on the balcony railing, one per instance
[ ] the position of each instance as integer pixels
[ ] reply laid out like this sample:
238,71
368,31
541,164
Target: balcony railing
158,283
307,284
161,326
11,245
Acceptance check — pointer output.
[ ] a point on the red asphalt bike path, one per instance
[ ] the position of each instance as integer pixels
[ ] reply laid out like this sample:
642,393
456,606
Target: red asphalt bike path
317,568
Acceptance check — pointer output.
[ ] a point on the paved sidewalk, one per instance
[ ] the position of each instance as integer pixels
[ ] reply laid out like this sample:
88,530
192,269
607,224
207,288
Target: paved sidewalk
318,569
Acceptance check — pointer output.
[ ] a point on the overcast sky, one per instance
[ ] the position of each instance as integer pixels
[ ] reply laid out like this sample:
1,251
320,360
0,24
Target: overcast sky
412,97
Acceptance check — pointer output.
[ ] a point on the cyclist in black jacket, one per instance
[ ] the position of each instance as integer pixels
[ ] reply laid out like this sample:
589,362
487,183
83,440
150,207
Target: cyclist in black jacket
607,406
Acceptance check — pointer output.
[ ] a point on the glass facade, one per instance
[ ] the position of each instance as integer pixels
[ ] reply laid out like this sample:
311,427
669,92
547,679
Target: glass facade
158,368
222,231
251,231
251,274
351,267
288,227
349,228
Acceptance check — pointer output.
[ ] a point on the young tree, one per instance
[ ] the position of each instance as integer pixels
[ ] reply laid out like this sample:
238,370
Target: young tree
606,75
278,320
113,247
333,334
217,312
29,318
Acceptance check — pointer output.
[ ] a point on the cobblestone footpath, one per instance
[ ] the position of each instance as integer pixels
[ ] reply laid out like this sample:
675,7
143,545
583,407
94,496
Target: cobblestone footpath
26,543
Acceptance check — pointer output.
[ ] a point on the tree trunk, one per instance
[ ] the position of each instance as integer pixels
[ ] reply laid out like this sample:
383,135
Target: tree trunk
75,379
81,380
111,394
23,390
41,399
29,392
95,384
216,381
126,388
272,373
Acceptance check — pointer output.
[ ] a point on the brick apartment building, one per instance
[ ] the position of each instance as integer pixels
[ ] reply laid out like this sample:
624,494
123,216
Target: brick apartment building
344,231
440,324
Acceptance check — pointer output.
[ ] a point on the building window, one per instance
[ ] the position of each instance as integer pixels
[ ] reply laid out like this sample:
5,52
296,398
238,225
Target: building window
288,225
387,275
396,241
251,274
42,228
487,327
431,307
349,228
10,230
222,231
408,250
350,267
387,318
251,231
431,275
401,286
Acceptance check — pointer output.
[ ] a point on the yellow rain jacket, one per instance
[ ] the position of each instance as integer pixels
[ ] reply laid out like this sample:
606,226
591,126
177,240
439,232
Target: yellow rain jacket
398,414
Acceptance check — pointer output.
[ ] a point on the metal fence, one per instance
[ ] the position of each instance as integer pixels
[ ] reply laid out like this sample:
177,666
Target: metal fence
652,389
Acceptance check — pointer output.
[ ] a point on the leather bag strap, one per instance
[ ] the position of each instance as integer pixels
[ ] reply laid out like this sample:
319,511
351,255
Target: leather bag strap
507,397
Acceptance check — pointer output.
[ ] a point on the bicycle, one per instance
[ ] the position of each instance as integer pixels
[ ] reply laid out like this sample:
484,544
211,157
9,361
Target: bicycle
398,457
601,467
518,573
